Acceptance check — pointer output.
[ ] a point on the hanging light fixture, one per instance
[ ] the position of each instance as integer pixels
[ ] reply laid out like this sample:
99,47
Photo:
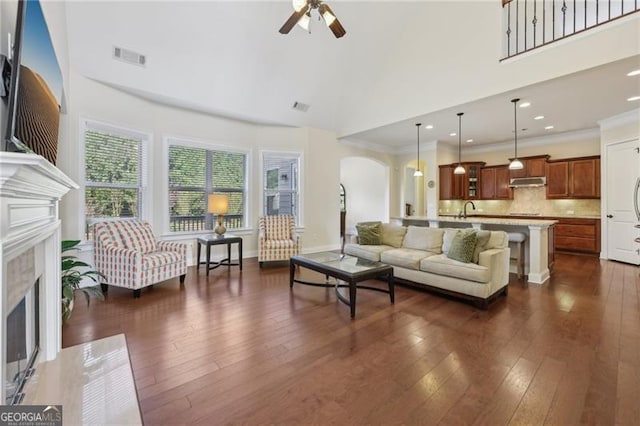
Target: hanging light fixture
515,163
418,173
459,170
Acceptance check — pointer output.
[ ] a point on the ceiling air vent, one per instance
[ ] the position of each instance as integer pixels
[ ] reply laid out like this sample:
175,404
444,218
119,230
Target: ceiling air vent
300,106
129,56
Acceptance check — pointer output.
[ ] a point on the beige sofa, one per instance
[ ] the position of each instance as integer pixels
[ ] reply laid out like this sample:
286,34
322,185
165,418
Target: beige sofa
419,257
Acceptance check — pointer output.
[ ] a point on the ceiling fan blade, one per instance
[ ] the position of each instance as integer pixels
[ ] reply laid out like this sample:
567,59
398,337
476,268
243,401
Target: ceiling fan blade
337,28
292,21
331,20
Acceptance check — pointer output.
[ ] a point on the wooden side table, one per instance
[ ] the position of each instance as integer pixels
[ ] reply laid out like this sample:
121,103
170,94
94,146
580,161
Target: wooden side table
213,240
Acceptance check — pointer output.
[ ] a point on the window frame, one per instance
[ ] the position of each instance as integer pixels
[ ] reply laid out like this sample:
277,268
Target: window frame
300,193
144,194
172,140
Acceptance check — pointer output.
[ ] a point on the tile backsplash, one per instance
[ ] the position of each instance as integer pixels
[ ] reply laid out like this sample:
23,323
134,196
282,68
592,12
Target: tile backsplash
527,200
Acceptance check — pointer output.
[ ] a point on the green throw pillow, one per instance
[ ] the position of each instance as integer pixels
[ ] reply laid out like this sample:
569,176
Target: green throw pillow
369,234
462,246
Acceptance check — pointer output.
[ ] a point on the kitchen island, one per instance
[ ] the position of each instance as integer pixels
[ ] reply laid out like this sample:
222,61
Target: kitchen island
538,245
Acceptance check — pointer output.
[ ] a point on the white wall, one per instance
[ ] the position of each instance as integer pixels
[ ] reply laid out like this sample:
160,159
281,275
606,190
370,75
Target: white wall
366,183
476,35
320,165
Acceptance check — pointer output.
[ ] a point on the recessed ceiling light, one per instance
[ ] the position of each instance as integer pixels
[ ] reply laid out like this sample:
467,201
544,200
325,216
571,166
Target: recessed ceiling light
634,98
634,72
548,128
525,104
452,134
538,117
469,140
429,126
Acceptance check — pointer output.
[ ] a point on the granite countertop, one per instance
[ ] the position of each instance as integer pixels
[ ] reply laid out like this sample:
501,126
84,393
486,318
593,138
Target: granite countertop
563,216
485,220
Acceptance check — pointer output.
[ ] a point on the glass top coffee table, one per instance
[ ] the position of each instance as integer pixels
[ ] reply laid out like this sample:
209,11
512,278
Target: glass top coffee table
349,269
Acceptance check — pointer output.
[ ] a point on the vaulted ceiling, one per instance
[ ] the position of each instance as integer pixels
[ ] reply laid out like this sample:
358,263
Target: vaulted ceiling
399,62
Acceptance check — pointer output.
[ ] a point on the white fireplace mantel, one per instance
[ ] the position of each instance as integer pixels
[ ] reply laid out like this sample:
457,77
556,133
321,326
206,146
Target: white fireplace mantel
30,190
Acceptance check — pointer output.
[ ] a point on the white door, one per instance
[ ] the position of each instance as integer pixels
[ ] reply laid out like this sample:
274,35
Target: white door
622,174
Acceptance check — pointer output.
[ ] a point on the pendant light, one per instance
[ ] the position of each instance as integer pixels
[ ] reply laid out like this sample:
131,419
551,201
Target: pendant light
515,163
459,170
418,173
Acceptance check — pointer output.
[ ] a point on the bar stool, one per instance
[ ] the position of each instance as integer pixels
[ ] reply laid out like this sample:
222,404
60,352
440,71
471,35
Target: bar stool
518,238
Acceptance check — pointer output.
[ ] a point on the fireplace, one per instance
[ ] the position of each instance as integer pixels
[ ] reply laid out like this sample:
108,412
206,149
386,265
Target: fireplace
23,342
30,189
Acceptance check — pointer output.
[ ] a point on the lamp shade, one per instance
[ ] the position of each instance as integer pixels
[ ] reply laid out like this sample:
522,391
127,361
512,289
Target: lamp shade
218,203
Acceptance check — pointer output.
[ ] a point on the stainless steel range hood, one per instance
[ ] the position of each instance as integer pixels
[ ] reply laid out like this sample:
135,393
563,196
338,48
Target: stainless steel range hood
530,182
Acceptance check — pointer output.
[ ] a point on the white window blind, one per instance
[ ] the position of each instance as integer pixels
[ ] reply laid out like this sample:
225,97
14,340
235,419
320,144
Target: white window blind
194,173
114,173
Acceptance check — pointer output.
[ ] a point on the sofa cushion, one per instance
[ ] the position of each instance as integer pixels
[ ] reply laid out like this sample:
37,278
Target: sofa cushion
369,234
159,259
498,239
404,257
366,252
447,238
421,238
393,235
481,244
463,246
442,265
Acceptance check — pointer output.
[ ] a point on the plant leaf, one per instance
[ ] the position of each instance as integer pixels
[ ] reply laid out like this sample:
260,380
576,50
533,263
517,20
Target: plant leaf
69,244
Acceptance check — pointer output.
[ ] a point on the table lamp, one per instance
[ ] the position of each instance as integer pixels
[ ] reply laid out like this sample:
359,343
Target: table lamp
219,205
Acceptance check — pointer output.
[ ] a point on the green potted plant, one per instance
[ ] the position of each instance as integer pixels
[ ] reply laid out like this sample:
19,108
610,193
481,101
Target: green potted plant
73,271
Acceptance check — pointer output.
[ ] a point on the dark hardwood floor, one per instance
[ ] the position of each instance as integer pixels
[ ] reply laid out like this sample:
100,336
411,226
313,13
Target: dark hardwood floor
240,347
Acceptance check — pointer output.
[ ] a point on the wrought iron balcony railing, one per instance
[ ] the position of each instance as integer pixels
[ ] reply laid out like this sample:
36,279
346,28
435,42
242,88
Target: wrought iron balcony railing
530,24
182,223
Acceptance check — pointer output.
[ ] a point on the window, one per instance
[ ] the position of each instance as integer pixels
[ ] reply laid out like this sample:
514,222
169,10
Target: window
281,182
195,172
113,173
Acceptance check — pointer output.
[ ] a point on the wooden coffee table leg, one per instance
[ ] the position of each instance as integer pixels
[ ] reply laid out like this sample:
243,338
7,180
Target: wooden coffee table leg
392,295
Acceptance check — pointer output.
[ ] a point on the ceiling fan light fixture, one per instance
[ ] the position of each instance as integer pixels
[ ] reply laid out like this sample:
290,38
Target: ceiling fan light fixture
304,21
302,17
298,5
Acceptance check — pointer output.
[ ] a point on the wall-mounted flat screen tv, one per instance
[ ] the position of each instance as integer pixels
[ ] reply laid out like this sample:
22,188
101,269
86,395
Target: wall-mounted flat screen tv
35,92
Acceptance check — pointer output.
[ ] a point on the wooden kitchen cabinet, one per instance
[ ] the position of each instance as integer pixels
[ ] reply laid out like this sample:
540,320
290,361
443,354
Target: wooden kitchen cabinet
578,235
471,181
495,183
533,167
460,187
584,178
450,184
574,178
558,179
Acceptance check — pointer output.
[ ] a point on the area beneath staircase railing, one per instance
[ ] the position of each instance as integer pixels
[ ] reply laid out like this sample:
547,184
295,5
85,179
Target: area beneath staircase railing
530,24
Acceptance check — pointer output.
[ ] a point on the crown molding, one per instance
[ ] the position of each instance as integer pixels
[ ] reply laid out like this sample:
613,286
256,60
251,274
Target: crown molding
628,117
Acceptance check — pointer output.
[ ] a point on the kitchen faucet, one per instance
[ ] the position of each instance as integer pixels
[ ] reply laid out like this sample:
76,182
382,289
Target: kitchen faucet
463,212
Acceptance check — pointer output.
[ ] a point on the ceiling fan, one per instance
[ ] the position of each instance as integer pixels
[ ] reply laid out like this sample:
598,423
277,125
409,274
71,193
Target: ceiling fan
302,17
